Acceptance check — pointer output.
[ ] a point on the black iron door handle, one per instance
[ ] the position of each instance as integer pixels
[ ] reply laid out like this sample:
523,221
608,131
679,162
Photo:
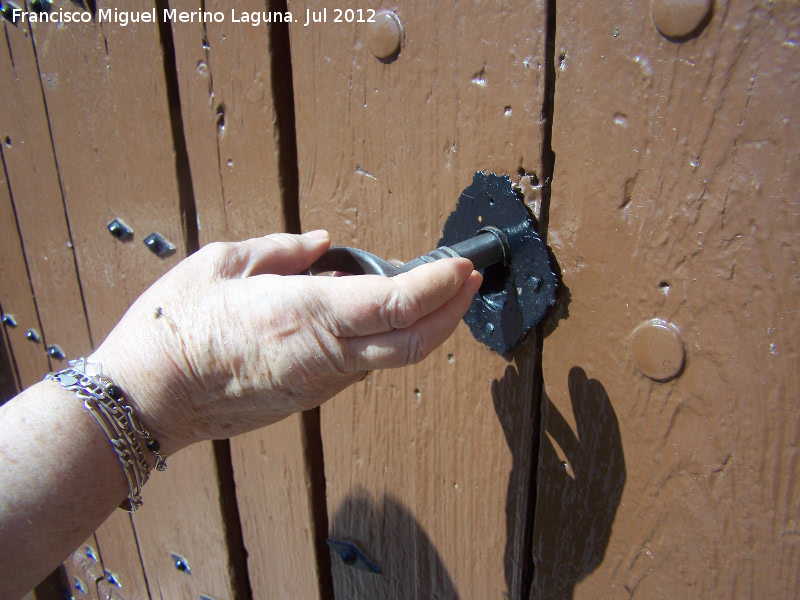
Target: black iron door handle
486,248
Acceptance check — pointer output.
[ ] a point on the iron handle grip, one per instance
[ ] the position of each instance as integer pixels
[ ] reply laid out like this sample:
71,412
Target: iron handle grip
486,248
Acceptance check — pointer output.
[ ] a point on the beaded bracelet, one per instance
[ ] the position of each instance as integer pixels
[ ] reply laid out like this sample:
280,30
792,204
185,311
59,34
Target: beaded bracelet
106,403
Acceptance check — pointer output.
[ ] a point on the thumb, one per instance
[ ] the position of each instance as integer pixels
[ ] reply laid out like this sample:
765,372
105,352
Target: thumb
283,253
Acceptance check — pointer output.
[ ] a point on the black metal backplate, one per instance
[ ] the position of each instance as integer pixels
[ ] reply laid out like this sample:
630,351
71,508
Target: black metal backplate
514,296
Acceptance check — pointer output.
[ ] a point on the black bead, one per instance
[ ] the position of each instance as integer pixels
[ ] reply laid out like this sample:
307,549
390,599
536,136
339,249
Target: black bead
153,446
114,392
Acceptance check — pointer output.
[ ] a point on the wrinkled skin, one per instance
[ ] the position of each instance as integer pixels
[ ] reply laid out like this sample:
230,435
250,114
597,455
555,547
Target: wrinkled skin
231,340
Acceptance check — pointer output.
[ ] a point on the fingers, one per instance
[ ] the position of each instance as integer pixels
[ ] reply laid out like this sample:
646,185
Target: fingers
278,253
407,346
370,304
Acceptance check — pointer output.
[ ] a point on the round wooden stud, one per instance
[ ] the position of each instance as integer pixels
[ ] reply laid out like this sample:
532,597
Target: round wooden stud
679,18
385,35
657,350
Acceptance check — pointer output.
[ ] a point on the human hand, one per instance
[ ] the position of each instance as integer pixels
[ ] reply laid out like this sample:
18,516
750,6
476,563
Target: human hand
231,340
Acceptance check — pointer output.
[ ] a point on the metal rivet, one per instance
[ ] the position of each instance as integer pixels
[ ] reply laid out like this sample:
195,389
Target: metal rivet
120,230
112,578
55,352
41,6
158,245
352,556
80,586
33,335
535,283
181,564
9,321
657,350
385,36
11,12
90,553
348,556
679,18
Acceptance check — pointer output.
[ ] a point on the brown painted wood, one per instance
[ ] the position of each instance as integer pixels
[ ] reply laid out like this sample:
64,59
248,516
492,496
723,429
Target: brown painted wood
84,570
427,468
28,359
9,387
115,539
110,124
38,202
275,507
40,212
230,123
674,197
229,119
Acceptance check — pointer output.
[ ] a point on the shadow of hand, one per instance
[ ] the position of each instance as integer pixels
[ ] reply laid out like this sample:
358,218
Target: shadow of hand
387,532
578,495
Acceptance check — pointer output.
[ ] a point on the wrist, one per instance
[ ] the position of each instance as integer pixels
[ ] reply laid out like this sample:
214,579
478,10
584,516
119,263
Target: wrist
146,394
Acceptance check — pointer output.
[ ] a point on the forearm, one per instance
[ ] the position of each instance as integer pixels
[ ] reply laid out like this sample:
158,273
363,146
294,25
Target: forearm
60,480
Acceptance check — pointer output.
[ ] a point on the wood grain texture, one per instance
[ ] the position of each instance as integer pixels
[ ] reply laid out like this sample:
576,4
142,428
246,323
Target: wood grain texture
427,468
674,197
229,119
230,122
110,123
116,538
275,507
39,205
28,360
84,570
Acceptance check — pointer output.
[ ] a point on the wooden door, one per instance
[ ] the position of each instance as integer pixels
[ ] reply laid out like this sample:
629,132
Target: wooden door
641,442
674,218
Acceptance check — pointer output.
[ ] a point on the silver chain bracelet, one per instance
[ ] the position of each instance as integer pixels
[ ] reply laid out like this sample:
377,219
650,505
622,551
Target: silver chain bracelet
106,402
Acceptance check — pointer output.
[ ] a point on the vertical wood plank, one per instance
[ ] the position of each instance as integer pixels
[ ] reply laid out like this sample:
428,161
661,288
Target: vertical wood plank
109,119
427,468
38,202
674,197
230,114
84,570
229,118
27,359
40,213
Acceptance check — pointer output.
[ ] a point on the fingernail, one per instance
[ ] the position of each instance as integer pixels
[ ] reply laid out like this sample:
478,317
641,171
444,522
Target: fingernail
317,234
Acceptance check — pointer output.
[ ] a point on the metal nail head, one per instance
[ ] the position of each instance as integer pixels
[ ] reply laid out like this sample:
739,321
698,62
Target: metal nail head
11,12
33,335
9,321
120,230
352,556
181,564
41,6
55,352
158,245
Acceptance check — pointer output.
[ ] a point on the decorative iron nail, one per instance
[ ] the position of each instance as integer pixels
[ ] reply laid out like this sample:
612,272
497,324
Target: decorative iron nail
204,597
120,230
352,556
181,564
11,12
90,553
55,352
41,6
80,586
9,321
33,335
158,245
112,578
